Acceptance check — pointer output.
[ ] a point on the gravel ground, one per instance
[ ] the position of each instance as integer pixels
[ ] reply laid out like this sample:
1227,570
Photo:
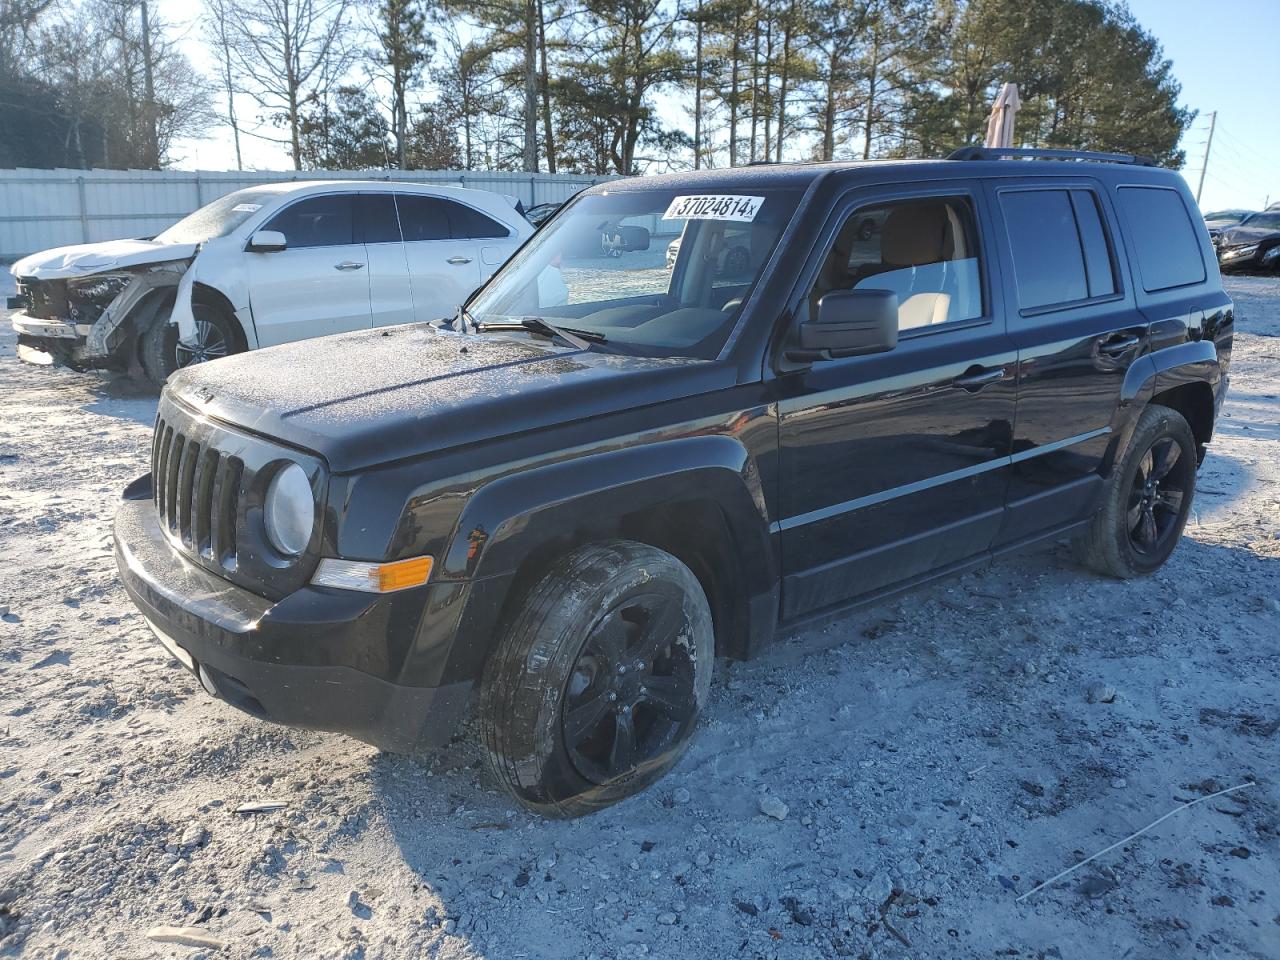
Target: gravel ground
885,786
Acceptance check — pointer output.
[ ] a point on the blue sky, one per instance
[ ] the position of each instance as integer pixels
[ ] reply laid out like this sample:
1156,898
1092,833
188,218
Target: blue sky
1225,55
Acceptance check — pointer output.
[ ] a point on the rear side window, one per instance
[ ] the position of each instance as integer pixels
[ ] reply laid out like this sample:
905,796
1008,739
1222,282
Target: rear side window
1060,250
1166,241
422,218
323,221
469,224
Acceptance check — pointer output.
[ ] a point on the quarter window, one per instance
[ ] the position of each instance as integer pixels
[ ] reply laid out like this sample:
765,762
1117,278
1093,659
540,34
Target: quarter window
1167,244
925,251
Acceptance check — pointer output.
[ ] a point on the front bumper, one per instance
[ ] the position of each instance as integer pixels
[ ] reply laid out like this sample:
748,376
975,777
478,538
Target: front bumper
29,326
308,660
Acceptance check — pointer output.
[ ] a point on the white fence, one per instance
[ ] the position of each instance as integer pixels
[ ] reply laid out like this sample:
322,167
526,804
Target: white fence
51,208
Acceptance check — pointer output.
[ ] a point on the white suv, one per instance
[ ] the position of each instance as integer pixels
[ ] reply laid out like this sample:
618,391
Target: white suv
263,266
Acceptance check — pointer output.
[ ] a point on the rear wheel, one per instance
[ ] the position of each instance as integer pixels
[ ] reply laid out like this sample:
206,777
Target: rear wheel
594,692
1147,499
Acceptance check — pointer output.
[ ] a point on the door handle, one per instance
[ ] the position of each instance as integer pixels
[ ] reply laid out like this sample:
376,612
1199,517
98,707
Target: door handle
348,265
458,261
975,378
1114,346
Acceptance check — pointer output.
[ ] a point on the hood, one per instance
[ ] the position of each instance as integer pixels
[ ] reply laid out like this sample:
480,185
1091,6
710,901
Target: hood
1235,236
371,397
85,259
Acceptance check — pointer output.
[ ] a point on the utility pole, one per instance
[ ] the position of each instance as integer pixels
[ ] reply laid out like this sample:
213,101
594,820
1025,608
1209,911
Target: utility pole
1213,119
153,138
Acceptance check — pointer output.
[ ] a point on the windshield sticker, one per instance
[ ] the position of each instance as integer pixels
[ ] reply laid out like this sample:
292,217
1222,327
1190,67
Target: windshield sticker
714,207
246,207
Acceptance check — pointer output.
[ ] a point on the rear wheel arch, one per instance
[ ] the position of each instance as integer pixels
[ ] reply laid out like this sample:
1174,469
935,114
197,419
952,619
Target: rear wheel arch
1195,402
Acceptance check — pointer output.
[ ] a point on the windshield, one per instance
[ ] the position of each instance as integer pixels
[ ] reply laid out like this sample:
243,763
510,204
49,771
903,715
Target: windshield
219,218
1262,220
607,266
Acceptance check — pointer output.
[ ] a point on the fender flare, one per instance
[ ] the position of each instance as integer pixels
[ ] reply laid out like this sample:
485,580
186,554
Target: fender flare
1195,361
503,520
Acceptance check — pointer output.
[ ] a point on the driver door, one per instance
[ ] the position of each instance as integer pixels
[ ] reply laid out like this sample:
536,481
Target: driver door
895,465
318,284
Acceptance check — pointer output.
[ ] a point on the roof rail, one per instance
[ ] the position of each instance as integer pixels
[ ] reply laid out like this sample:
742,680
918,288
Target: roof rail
996,153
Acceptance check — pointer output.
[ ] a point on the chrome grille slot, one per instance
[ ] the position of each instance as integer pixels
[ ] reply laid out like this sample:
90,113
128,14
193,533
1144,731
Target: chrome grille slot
173,463
224,504
186,491
202,505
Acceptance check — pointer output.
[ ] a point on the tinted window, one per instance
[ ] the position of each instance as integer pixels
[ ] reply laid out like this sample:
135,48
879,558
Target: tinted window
469,224
378,223
923,250
1166,242
323,221
422,218
1093,243
1048,265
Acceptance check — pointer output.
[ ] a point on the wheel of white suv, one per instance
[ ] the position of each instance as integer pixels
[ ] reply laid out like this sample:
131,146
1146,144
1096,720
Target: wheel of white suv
161,353
594,692
1147,498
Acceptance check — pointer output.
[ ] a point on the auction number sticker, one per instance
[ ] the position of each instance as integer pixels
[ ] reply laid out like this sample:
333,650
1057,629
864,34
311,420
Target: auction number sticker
246,207
714,207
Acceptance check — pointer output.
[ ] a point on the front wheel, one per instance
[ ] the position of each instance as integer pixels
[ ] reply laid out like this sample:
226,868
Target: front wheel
1147,498
161,353
594,692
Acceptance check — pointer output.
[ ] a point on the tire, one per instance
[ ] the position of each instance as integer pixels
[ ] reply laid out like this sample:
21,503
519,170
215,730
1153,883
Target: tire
160,353
571,684
1146,500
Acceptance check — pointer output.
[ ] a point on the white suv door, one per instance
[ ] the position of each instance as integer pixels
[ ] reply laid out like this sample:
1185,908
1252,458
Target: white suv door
317,285
446,257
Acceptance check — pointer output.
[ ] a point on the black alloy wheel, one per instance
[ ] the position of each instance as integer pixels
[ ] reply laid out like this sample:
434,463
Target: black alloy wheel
1156,497
593,691
631,695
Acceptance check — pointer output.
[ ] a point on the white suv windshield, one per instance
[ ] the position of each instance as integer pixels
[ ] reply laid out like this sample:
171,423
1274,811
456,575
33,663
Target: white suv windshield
219,218
653,272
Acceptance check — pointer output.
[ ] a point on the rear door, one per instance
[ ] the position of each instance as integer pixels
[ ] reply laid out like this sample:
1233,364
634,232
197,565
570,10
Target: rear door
443,270
1077,329
893,466
317,285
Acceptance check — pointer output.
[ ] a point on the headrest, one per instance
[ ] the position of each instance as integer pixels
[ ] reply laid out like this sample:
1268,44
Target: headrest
916,234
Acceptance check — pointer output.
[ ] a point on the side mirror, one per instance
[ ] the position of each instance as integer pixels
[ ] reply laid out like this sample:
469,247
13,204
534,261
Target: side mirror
850,323
633,238
266,241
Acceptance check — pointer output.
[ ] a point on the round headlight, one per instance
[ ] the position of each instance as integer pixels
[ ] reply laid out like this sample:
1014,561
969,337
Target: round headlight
290,510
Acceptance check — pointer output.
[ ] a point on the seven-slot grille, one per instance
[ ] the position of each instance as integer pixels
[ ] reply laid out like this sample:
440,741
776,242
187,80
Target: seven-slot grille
197,494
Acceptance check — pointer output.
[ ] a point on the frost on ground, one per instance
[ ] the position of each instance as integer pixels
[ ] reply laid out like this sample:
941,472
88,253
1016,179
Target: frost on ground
885,786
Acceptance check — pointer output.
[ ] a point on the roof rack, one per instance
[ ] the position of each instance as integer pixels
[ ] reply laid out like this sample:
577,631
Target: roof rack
996,153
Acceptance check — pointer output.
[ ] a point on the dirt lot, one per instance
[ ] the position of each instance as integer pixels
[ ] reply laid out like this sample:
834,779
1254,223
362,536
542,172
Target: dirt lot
937,757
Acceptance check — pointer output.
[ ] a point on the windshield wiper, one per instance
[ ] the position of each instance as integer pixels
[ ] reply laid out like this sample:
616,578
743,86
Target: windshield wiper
579,339
464,316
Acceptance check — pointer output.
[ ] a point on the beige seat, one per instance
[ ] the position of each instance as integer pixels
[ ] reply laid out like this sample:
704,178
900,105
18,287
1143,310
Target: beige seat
914,236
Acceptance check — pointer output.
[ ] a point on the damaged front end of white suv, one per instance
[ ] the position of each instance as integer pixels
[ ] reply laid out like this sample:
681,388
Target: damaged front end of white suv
100,306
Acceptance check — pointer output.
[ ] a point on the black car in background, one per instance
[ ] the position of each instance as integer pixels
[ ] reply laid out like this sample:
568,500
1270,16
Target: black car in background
1219,220
1253,244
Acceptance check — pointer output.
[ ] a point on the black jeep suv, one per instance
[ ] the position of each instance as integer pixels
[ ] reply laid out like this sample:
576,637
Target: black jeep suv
602,474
